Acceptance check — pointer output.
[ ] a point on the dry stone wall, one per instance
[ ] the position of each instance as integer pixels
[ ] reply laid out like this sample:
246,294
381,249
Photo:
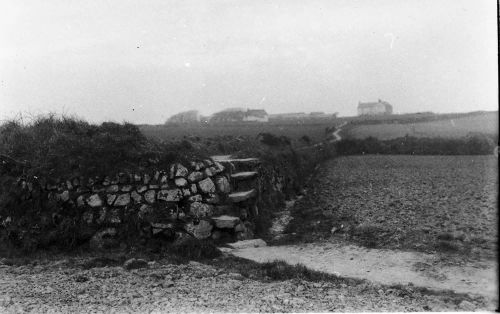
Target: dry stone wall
193,198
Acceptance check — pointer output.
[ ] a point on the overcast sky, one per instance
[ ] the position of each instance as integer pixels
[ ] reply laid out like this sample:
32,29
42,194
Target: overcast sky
142,61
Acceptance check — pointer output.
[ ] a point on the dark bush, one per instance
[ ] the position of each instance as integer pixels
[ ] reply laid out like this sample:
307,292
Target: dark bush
306,139
58,146
273,140
474,144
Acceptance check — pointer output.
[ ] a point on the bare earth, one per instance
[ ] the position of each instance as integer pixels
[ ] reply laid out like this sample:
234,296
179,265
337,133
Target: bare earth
385,266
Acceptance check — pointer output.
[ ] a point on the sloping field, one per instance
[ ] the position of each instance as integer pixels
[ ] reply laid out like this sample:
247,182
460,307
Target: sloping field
448,128
424,203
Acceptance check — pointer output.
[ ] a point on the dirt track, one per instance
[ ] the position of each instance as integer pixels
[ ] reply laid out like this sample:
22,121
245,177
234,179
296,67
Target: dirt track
384,266
64,286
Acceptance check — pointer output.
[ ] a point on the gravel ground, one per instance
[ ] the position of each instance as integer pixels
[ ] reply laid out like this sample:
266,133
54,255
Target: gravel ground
66,286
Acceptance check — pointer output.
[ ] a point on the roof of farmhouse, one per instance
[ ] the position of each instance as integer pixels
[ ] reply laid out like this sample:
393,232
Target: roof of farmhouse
256,112
363,105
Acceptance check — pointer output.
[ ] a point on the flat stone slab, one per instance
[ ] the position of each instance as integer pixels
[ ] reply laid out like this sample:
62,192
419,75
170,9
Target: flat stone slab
245,244
229,159
225,249
221,157
244,175
243,160
242,196
226,221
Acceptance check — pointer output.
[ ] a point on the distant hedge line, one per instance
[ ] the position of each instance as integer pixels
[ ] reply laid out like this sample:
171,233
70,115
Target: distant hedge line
477,144
411,118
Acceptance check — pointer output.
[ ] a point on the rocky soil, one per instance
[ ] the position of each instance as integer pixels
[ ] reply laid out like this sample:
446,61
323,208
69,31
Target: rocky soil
69,285
424,203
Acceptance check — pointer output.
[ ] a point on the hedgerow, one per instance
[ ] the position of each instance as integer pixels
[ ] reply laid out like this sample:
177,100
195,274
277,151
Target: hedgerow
474,144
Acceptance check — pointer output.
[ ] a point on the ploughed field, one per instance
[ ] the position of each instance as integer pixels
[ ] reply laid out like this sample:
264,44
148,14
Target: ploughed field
426,203
486,122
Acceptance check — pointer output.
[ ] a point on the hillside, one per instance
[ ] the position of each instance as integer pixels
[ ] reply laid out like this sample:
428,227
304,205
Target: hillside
448,127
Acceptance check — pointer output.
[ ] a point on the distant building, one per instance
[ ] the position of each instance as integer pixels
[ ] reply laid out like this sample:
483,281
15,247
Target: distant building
235,109
190,116
302,116
259,115
317,114
240,114
288,116
374,108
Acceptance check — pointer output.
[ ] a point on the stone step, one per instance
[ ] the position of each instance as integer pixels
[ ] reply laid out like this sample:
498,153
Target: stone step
220,158
225,221
247,244
229,159
245,175
239,161
237,197
237,164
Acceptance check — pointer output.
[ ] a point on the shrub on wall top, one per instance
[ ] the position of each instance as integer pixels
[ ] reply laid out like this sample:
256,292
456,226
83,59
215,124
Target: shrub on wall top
58,146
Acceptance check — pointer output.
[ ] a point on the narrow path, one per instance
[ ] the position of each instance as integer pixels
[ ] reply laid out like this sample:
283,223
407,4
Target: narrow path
383,266
284,217
336,135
